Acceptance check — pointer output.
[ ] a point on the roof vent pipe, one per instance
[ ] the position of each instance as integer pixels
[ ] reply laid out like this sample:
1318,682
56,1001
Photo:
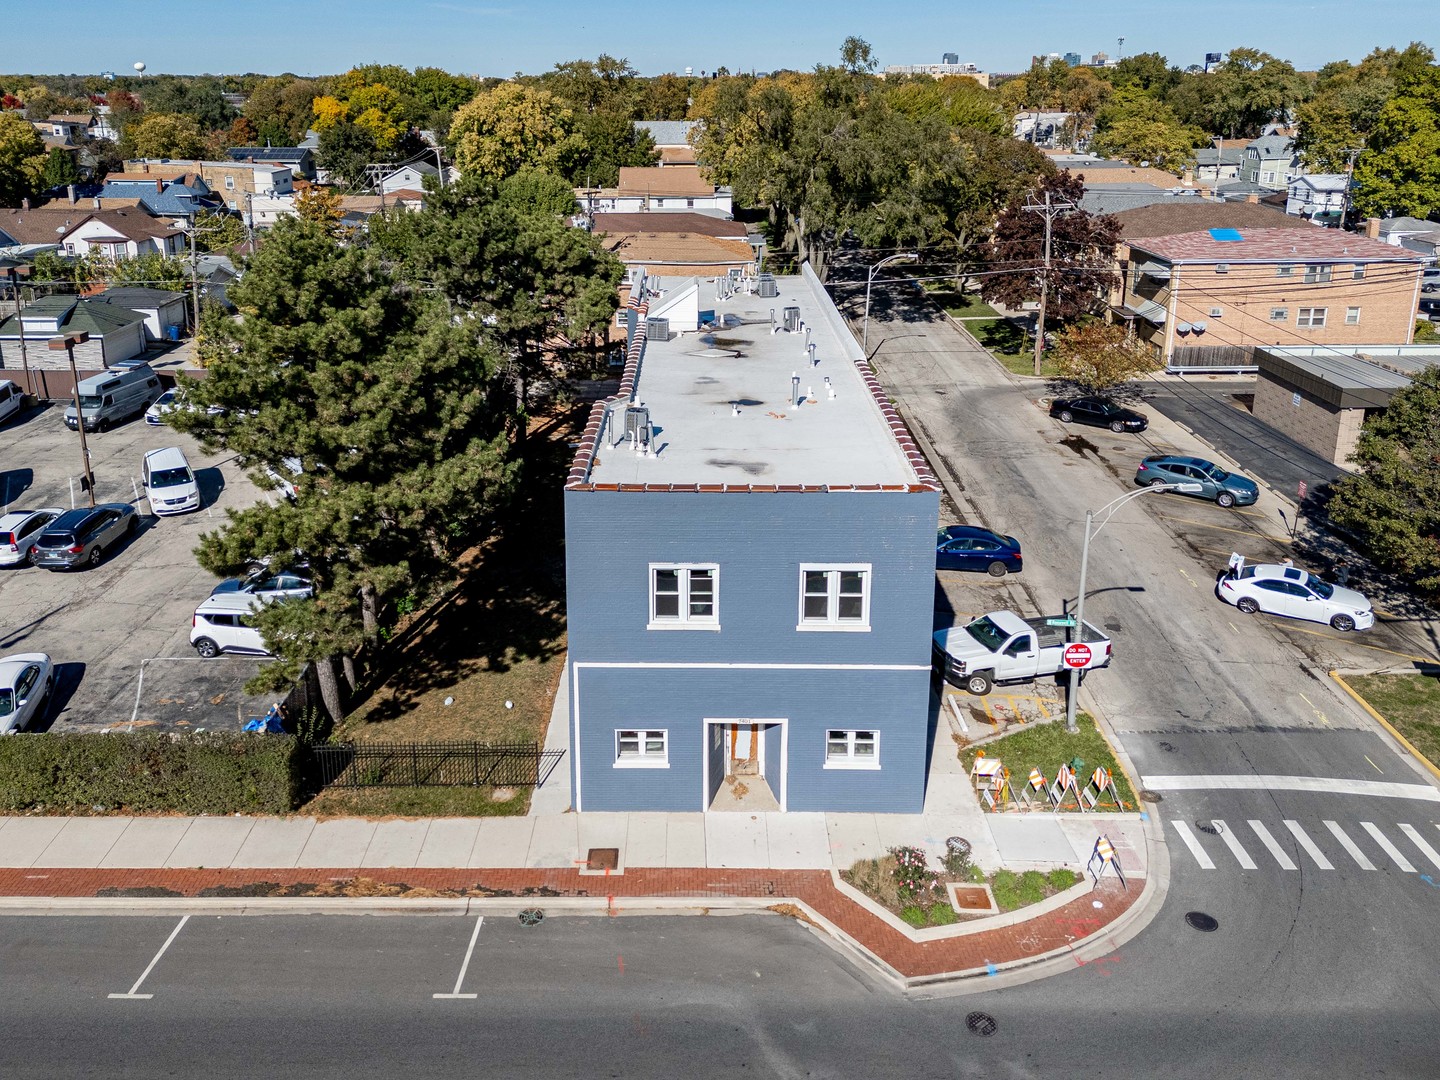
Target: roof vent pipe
795,389
813,361
829,389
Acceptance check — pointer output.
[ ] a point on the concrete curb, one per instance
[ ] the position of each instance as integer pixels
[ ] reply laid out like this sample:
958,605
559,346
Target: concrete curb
1394,732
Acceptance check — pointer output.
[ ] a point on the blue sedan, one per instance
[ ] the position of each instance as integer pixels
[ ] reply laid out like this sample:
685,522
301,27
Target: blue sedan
969,547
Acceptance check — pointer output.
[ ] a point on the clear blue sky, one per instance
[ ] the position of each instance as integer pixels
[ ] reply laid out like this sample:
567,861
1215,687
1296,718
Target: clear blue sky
501,37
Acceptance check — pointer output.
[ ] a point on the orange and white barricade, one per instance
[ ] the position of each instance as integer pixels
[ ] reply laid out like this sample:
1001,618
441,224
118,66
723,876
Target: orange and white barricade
1101,785
998,795
1037,786
985,769
1064,787
1104,856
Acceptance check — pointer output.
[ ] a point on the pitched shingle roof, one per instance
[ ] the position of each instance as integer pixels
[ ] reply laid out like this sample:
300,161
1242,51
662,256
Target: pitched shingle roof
1310,243
666,221
1174,218
94,316
680,249
668,132
671,180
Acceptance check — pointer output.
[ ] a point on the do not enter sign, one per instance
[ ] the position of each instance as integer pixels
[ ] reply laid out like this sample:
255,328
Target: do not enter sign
1077,655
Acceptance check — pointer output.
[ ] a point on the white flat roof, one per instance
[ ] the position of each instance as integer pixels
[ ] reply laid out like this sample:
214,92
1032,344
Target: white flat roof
843,435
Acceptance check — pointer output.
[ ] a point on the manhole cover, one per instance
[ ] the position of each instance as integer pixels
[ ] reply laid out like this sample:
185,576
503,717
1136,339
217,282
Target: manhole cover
603,858
532,917
1146,795
1207,827
1206,924
982,1024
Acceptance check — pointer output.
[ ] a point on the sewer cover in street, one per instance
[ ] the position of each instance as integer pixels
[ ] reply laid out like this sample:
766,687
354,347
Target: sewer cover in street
982,1024
1206,924
1146,795
1207,827
532,917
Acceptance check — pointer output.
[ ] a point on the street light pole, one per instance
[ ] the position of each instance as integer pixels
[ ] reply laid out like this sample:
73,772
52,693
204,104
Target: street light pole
1079,628
68,343
20,329
870,280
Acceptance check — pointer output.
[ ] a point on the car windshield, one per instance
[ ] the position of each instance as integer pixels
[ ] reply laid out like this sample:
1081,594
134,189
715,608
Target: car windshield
987,633
89,402
169,477
1323,589
1218,474
7,701
51,539
166,398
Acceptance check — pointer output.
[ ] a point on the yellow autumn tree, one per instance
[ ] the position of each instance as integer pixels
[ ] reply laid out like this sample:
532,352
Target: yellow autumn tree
329,112
501,131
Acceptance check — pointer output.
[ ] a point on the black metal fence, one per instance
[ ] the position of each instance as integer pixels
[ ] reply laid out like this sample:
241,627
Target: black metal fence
432,764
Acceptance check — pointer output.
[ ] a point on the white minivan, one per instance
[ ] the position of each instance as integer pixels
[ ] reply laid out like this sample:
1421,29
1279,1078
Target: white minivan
220,625
10,399
169,482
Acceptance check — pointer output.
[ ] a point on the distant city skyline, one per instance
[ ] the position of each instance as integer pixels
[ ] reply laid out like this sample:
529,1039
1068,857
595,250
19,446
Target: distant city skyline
500,37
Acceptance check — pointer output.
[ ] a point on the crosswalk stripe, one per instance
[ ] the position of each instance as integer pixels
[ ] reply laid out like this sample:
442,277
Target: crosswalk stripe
1350,846
1309,845
1419,841
1241,855
1270,844
1387,847
1204,860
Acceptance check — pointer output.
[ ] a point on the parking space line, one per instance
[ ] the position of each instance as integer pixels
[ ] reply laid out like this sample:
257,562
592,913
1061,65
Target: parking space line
132,995
1223,528
460,980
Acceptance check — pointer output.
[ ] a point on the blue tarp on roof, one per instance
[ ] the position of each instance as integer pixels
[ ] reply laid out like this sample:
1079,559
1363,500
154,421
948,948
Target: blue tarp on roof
1228,236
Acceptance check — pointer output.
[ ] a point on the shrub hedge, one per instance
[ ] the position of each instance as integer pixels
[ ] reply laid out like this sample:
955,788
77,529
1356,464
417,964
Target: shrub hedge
151,772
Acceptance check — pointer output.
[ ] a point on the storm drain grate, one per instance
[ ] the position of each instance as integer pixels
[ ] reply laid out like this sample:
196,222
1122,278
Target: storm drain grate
982,1024
1146,795
532,917
1206,924
1207,827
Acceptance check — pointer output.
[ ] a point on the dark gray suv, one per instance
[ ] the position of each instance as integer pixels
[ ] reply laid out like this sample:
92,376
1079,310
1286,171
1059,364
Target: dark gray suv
81,537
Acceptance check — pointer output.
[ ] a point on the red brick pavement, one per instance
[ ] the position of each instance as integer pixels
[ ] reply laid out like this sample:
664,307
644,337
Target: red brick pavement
1057,929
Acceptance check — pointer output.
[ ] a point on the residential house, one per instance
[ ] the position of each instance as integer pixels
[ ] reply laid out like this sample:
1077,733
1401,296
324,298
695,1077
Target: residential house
172,193
672,140
409,177
1221,161
1408,232
29,230
67,129
680,242
1320,395
1320,197
230,181
1271,161
1206,299
122,234
750,565
161,308
674,187
115,334
300,160
1047,129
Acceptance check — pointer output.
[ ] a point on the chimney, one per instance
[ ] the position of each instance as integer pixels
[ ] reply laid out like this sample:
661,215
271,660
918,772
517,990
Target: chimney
97,202
1188,177
1253,199
159,186
1372,228
24,204
145,166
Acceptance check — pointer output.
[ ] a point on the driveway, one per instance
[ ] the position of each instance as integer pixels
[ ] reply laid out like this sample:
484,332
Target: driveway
104,626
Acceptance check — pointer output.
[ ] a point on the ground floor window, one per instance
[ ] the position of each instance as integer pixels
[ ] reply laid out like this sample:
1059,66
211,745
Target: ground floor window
638,748
852,749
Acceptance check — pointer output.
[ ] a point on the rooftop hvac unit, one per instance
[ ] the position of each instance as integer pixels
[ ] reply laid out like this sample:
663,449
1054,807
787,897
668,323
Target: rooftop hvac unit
765,285
657,329
637,427
792,320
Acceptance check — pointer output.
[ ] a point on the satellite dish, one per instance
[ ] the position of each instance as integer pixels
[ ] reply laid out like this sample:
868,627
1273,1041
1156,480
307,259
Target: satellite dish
140,67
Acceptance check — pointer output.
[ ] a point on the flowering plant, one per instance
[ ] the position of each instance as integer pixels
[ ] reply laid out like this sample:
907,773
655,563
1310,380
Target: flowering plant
914,880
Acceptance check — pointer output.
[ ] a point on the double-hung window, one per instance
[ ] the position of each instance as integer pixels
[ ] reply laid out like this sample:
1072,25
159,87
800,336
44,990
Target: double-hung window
642,749
1311,318
852,749
1352,316
684,596
834,596
1317,273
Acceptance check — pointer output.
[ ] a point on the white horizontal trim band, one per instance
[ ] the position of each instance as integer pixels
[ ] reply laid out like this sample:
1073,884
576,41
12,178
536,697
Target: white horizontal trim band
1323,784
753,667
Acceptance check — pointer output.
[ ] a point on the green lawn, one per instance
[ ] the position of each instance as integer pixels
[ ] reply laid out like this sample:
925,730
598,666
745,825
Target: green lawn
1010,345
964,306
1046,746
1410,702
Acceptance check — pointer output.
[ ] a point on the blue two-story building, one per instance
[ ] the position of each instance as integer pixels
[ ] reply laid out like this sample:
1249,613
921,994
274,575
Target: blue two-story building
750,558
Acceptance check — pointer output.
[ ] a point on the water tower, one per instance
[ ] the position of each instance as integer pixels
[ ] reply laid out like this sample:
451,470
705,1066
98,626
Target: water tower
140,68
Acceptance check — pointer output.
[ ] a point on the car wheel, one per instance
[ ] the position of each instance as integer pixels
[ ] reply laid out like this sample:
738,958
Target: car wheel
997,569
96,555
1117,427
1247,605
1225,499
132,526
1066,416
207,649
101,425
979,683
1343,623
1157,482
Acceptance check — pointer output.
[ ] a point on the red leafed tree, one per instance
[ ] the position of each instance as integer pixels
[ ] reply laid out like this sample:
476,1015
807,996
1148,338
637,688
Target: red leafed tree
1082,252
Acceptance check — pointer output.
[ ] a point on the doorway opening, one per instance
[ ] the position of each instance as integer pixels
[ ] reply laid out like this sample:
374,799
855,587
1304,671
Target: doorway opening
745,765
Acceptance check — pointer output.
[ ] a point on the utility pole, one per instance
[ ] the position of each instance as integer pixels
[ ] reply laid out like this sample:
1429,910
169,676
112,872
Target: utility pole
24,356
1050,210
1350,155
68,342
191,230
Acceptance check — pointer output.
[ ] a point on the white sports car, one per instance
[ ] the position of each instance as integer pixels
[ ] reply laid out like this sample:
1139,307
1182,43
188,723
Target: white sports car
1288,590
26,680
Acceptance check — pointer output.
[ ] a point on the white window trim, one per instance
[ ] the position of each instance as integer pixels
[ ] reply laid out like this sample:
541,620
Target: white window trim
685,621
851,763
1284,315
833,625
1303,322
1352,316
643,760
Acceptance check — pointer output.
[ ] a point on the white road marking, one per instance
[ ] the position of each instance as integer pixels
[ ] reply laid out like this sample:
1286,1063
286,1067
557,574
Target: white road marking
1270,845
1419,841
1194,845
151,967
1325,784
1350,846
1387,847
1241,855
1303,839
459,981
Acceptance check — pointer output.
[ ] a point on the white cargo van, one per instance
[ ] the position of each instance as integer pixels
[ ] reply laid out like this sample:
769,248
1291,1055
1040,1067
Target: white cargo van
10,399
124,391
169,482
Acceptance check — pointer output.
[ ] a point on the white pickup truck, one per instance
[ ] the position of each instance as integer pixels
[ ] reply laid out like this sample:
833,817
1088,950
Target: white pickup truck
1001,647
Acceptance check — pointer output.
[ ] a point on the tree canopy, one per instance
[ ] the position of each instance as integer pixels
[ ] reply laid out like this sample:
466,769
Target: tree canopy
162,135
22,159
502,130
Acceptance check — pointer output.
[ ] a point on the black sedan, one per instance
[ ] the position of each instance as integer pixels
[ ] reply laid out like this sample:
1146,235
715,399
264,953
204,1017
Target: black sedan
969,547
1099,412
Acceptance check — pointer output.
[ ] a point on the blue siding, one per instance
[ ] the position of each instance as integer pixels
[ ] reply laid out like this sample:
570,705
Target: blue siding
758,541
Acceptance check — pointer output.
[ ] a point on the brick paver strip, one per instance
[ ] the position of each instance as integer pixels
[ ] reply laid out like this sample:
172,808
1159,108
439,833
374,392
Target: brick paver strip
1055,930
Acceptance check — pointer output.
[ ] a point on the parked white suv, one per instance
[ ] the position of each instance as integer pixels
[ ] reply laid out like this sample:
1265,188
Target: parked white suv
221,625
169,482
19,530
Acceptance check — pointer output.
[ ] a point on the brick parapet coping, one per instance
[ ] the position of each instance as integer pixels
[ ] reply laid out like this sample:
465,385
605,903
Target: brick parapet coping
1043,935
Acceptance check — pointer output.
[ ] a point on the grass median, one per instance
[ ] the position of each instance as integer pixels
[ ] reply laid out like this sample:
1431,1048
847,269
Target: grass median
1411,703
1046,747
